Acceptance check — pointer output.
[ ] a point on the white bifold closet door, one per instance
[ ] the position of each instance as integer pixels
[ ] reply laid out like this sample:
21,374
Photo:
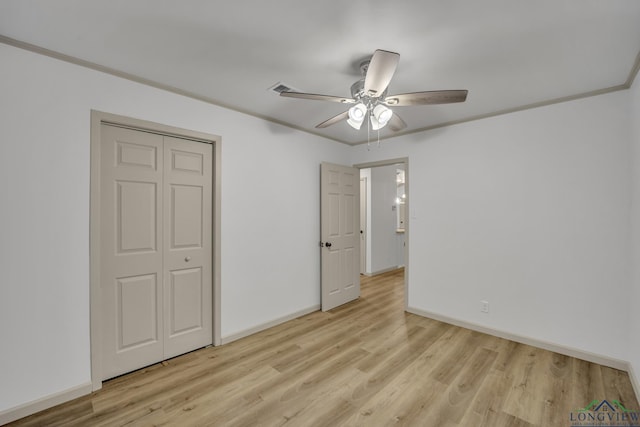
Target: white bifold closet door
156,248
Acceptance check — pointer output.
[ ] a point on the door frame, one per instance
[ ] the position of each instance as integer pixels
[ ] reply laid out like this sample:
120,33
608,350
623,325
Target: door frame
97,119
404,161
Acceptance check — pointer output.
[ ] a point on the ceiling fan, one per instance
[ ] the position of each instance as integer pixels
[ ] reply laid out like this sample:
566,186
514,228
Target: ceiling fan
369,96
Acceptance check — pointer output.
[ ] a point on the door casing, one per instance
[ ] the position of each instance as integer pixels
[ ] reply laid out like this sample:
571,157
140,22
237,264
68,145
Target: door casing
97,119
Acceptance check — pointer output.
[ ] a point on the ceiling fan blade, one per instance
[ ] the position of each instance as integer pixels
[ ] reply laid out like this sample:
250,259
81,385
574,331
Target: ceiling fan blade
317,97
333,120
396,123
426,98
380,71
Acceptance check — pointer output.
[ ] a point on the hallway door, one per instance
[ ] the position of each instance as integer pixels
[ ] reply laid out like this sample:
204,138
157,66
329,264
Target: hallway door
340,236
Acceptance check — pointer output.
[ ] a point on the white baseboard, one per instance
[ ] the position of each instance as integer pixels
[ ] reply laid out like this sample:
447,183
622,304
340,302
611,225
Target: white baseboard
267,325
622,365
30,408
47,402
38,405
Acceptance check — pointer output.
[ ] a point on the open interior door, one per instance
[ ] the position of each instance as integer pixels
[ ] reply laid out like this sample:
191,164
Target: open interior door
340,234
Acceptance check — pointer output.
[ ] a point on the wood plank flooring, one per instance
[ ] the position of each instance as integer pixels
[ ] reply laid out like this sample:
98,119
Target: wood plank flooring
367,363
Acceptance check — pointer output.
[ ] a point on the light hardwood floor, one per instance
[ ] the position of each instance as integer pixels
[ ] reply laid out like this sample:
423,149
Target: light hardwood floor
367,363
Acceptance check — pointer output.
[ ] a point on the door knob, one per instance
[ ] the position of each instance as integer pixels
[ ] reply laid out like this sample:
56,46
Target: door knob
187,259
328,244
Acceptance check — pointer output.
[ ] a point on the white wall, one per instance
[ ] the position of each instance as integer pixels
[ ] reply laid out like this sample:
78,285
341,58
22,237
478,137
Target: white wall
529,211
634,296
270,262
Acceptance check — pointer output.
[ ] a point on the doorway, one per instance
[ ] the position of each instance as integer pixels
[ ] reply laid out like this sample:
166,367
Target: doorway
155,203
385,225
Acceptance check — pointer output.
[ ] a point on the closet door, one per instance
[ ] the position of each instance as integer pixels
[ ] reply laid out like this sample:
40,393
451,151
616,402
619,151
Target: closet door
187,245
155,248
131,249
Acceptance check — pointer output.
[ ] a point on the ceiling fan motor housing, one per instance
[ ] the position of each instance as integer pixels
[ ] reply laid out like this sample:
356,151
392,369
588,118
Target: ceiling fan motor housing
358,93
357,89
364,66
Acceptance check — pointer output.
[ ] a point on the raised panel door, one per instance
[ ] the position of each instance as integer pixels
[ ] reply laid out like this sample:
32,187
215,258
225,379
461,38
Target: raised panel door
131,259
340,222
187,245
156,248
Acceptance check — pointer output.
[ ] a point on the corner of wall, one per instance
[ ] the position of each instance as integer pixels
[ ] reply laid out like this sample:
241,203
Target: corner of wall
634,316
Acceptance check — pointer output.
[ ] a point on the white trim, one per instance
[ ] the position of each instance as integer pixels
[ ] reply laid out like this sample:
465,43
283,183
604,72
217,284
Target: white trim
152,83
41,404
95,310
557,348
134,78
387,162
217,242
270,324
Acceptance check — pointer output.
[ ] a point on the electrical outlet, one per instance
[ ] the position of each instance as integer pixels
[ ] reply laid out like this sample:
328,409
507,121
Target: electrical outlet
484,306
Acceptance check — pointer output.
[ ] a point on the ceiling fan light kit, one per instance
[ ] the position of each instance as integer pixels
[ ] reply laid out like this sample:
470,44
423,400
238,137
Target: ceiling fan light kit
382,114
369,95
357,114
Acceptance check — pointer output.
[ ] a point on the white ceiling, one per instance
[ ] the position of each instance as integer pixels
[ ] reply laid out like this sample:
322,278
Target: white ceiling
509,54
